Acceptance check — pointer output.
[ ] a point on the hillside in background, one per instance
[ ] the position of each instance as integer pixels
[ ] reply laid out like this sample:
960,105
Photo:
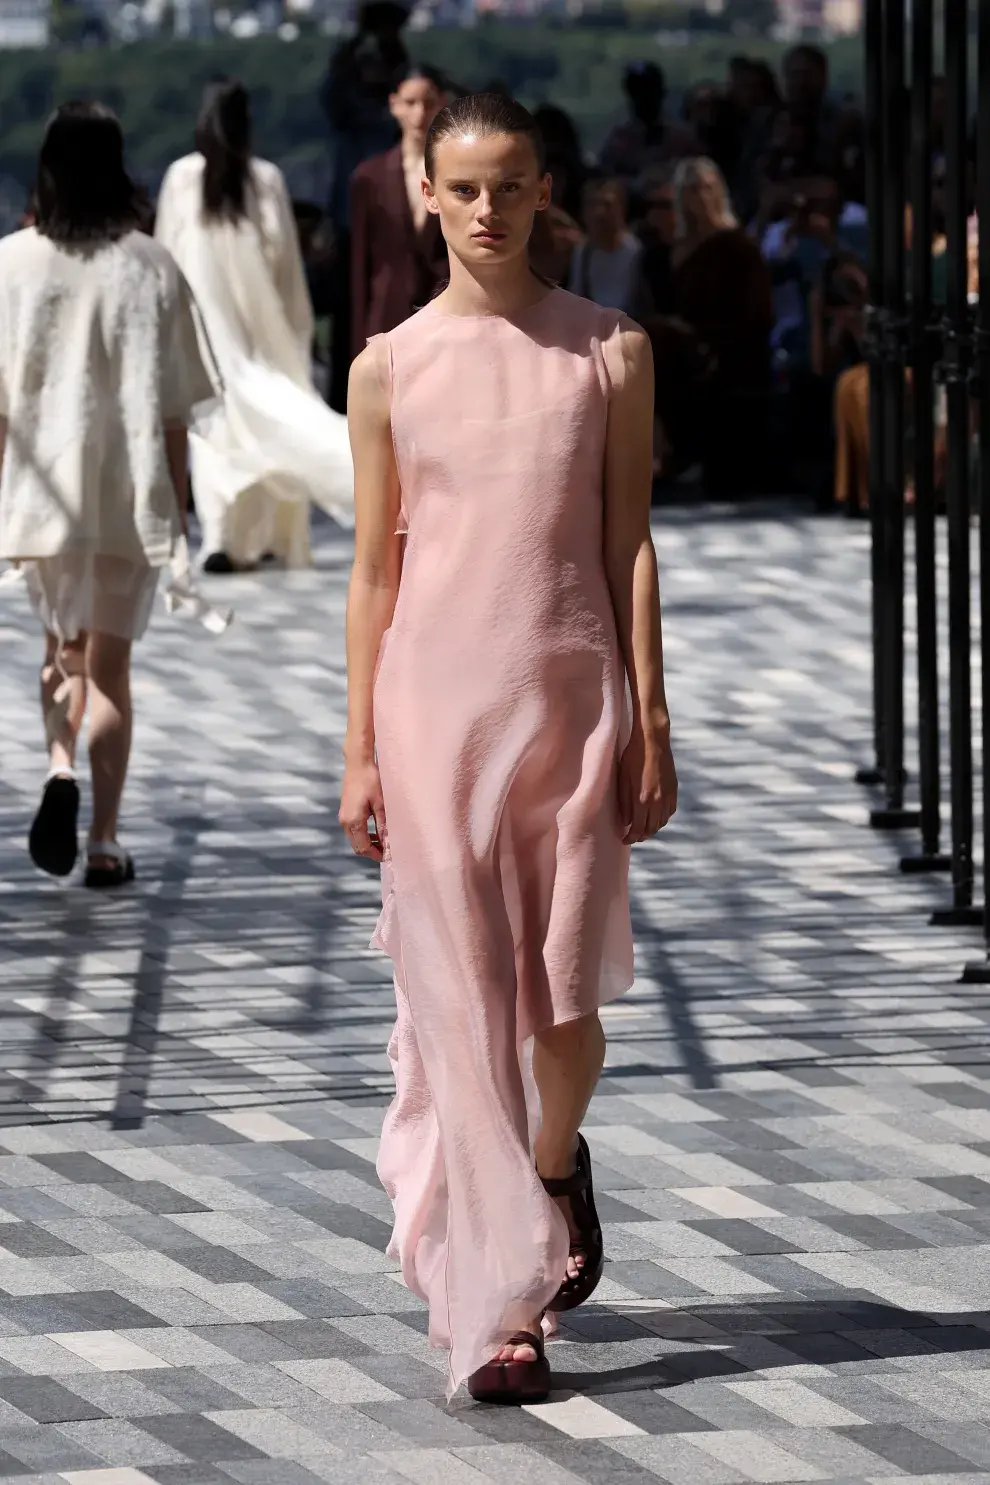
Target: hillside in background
155,86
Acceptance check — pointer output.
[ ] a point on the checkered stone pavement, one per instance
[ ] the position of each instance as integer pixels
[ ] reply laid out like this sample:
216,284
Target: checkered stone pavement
792,1135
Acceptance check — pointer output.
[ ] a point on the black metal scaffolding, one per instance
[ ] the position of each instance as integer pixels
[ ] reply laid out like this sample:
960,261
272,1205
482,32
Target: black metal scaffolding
931,355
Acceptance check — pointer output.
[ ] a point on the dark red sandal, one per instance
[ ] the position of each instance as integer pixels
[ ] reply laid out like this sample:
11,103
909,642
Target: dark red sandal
514,1381
580,1190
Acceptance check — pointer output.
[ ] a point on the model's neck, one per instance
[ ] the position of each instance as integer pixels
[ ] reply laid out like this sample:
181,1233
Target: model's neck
413,151
501,289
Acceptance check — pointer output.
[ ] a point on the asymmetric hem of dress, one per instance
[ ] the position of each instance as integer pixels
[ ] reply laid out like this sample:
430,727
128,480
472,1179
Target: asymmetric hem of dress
500,711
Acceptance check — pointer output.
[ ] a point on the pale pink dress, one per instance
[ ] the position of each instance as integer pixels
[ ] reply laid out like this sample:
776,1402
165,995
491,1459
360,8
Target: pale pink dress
500,710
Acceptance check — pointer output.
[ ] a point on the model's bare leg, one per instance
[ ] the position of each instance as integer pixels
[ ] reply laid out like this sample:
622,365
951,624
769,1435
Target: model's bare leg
63,718
52,839
108,666
567,1063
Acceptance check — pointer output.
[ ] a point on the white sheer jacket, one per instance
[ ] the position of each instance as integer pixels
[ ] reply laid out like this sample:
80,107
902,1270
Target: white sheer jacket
98,355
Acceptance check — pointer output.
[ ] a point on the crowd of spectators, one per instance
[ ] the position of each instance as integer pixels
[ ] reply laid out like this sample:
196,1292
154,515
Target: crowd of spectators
732,226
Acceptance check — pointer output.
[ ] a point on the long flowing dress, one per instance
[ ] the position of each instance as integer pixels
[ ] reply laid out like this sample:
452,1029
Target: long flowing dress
273,446
98,356
500,708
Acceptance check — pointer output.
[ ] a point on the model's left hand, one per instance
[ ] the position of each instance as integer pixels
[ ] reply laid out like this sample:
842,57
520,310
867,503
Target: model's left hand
647,784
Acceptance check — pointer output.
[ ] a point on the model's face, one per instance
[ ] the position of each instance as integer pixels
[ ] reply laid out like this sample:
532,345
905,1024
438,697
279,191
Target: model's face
486,190
414,106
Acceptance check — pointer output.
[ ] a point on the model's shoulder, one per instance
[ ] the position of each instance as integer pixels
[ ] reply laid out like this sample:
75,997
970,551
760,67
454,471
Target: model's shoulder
150,253
266,171
369,383
413,331
595,321
627,353
373,168
185,167
27,245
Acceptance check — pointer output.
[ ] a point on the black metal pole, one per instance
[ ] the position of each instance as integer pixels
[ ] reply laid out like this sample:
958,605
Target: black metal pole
980,971
956,363
893,816
923,366
874,349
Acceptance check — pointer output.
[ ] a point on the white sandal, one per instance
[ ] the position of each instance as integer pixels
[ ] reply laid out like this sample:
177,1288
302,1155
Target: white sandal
117,875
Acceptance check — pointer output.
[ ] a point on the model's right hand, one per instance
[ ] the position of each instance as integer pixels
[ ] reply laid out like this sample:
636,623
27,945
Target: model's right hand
361,800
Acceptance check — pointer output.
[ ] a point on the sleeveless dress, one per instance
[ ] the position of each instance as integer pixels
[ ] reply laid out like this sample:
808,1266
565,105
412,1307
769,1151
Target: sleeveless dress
500,709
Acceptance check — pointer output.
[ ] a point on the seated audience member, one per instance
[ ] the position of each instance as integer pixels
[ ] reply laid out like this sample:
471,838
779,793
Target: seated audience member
839,313
797,246
804,141
556,238
714,122
752,87
607,267
849,164
713,356
721,284
564,158
838,316
837,356
646,138
655,230
784,170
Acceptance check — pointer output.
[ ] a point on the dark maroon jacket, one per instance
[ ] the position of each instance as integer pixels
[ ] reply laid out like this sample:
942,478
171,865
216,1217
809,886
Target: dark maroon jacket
394,269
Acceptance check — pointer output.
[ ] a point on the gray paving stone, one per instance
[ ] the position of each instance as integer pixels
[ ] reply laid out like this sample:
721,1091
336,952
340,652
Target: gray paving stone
46,1401
791,1136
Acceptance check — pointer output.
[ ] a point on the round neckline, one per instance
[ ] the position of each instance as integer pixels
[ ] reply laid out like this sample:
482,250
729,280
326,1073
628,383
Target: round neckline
496,318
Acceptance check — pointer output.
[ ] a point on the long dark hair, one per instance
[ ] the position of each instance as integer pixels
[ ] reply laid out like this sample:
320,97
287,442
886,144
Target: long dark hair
223,138
483,114
83,193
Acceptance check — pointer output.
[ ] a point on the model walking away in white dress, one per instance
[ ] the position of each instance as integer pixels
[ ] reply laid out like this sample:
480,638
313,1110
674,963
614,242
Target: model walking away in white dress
274,446
100,373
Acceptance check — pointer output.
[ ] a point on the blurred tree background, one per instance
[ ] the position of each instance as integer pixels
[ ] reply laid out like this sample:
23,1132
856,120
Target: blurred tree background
155,86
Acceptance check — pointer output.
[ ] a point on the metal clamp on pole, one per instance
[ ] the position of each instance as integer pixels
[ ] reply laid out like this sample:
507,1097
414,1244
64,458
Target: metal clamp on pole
897,341
874,338
957,362
979,371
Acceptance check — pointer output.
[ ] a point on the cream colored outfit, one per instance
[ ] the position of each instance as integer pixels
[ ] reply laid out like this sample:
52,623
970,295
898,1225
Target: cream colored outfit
274,445
98,354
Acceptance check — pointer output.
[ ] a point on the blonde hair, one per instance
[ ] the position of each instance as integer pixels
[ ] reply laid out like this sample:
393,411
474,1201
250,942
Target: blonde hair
689,173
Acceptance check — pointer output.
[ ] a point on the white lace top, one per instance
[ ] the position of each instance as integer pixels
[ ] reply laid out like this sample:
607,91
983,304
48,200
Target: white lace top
98,355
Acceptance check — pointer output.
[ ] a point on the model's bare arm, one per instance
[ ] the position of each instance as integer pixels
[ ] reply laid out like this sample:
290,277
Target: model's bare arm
647,780
371,596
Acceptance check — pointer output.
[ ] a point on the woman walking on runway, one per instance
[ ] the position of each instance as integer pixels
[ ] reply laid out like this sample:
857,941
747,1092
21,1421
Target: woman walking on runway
504,592
274,445
398,255
100,374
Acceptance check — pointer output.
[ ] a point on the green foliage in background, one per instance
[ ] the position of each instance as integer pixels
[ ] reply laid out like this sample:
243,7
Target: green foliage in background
155,86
